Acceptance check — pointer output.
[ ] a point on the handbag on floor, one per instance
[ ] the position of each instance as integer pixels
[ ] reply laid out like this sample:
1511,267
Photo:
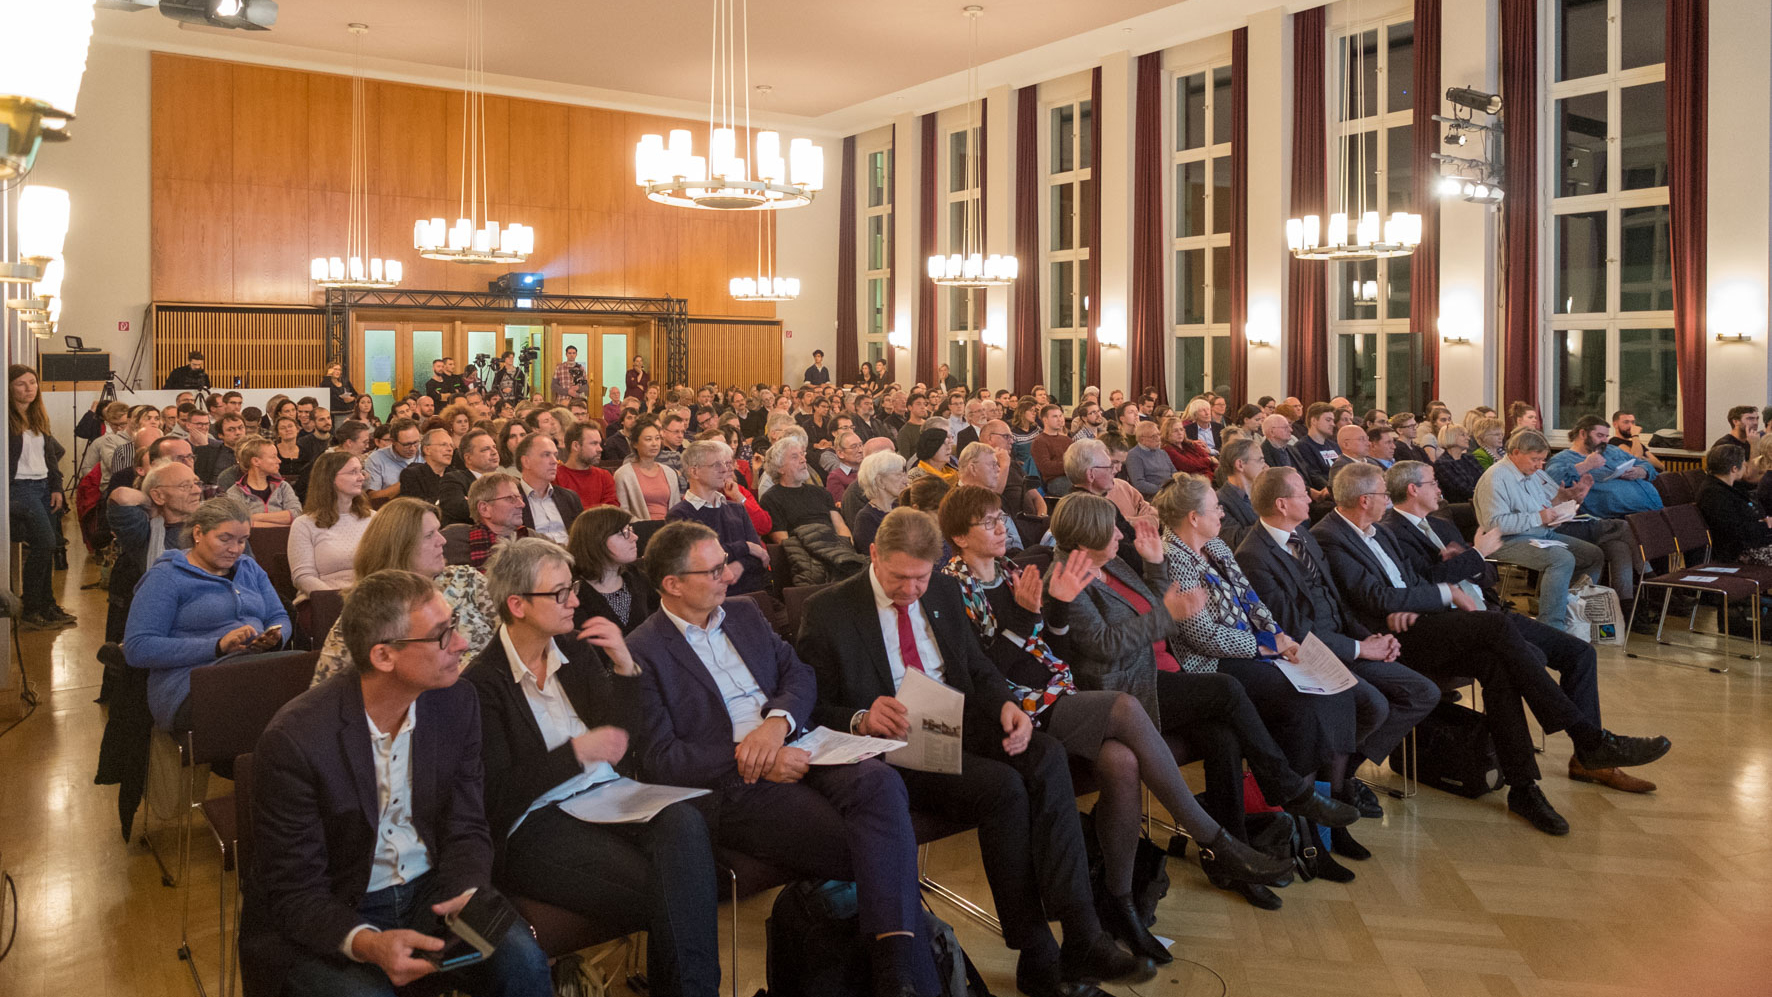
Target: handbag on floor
1454,752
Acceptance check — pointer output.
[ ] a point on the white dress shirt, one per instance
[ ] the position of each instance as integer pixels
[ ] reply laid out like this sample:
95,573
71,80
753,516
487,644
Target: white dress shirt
558,721
1391,571
744,699
545,513
1285,539
1469,587
31,465
927,652
400,854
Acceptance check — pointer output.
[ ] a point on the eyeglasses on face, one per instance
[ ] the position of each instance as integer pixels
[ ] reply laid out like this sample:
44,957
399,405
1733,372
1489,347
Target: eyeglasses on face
994,522
440,638
710,572
559,595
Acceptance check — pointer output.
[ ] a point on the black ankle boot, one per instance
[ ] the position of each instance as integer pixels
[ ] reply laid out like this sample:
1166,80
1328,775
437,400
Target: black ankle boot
1122,921
1241,862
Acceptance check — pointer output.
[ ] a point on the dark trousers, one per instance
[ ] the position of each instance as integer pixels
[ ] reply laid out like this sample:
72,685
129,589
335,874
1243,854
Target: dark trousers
517,969
1311,730
1490,647
1409,696
1213,714
1573,660
656,877
1028,835
33,524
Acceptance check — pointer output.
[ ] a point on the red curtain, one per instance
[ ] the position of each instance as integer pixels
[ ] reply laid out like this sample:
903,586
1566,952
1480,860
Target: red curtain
891,255
1307,327
1092,236
926,339
1025,293
1239,372
1148,330
848,360
1519,213
1688,73
1424,270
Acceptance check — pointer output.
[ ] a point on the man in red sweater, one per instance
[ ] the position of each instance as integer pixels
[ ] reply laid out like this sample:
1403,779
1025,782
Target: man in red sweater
580,473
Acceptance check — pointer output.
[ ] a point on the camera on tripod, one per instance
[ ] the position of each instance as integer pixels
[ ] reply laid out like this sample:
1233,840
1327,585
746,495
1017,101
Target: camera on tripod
527,355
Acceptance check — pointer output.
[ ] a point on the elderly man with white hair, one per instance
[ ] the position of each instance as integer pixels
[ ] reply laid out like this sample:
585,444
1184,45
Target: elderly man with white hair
855,497
146,523
708,466
791,502
980,466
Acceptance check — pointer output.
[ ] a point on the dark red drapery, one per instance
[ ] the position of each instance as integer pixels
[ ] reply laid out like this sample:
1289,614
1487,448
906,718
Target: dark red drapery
925,334
1519,213
1307,328
1024,342
1688,73
1092,236
1239,372
1148,330
848,360
1424,272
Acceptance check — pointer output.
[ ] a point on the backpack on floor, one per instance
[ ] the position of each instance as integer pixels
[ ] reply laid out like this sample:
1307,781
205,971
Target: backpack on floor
815,947
1456,753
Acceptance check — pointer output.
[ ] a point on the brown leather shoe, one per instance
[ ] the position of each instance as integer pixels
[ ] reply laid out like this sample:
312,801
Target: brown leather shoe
1618,779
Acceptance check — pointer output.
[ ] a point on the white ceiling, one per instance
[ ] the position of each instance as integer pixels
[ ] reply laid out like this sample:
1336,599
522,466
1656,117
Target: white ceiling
821,56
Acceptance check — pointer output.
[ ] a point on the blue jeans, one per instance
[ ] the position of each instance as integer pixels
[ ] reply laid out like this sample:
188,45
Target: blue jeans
517,969
33,524
1556,567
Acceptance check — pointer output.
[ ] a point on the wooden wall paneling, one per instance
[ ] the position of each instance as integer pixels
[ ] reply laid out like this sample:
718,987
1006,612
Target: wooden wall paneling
270,122
266,347
192,118
192,240
538,154
410,136
598,165
329,129
393,218
734,354
270,240
595,256
552,256
497,167
652,252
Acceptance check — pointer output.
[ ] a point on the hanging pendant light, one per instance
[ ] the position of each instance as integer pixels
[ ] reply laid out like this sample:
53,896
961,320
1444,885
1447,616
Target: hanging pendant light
470,239
766,286
968,266
1360,234
724,179
357,268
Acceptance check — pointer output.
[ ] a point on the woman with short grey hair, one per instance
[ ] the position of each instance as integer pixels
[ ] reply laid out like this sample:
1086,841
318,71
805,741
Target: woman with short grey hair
1457,471
882,477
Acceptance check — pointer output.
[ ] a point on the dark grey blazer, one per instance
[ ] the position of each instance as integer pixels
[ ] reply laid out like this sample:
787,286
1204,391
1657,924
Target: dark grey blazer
1108,643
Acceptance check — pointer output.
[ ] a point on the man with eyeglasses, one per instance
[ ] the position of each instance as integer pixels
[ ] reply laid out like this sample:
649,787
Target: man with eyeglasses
1445,630
384,465
547,508
980,466
164,448
148,522
1091,421
424,479
369,815
722,697
714,500
479,457
847,450
1017,496
497,501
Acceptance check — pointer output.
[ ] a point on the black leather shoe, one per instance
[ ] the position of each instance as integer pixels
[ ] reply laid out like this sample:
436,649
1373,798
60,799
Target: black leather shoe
1257,894
1313,805
1102,959
1343,844
1243,862
1122,921
1528,801
1616,751
1331,870
1362,797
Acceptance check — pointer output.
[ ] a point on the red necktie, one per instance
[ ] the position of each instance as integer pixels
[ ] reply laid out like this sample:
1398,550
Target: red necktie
907,641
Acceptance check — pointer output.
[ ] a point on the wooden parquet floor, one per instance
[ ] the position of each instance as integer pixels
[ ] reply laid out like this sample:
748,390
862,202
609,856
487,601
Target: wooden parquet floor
1665,894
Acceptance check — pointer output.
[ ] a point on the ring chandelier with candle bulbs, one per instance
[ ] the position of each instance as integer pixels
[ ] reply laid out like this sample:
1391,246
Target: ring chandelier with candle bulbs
357,268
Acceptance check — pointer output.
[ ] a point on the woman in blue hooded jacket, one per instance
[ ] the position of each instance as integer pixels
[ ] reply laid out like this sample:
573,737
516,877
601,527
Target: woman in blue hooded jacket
194,606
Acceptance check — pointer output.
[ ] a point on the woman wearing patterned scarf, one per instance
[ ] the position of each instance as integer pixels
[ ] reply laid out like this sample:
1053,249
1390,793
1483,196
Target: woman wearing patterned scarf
1110,729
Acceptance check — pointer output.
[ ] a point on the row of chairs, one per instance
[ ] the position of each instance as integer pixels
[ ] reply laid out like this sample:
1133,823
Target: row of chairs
1677,536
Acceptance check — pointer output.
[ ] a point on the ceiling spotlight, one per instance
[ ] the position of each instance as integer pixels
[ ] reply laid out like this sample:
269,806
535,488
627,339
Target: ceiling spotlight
1451,187
224,8
1476,100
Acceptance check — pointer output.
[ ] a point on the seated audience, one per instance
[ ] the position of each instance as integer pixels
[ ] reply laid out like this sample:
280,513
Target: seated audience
260,489
479,457
647,488
146,524
847,449
881,479
423,479
935,448
716,501
1457,471
1618,490
1013,781
1148,465
792,502
1048,448
548,510
579,472
721,695
1011,614
357,857
1201,427
559,705
497,501
1740,528
1407,430
984,467
1185,454
323,540
1316,448
1744,427
1355,443
1240,462
384,465
1091,468
605,557
1487,435
509,436
404,535
1627,437
196,605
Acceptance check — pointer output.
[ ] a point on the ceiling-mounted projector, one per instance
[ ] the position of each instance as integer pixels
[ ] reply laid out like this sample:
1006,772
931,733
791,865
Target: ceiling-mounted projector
250,15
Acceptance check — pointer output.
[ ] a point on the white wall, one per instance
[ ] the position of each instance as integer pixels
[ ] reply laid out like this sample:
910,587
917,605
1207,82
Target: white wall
805,247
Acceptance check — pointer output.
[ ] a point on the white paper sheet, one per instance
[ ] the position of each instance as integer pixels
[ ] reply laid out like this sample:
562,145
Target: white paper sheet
624,801
936,713
829,747
1720,571
1565,511
1318,672
1546,544
1707,579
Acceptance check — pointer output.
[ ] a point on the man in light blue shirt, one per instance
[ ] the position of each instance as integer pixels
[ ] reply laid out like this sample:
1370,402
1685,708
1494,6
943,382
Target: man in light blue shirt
1518,498
1618,490
384,465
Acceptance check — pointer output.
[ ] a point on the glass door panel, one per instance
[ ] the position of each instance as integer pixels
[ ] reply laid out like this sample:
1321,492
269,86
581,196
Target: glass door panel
614,363
378,368
427,346
1062,371
530,337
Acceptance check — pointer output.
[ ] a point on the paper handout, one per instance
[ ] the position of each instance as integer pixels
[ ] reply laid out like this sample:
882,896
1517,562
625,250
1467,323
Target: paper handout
936,713
829,747
1318,672
624,801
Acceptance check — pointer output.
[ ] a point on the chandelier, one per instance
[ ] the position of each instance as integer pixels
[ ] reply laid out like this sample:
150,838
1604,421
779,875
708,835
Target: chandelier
353,269
970,267
725,180
40,76
471,240
1369,238
766,286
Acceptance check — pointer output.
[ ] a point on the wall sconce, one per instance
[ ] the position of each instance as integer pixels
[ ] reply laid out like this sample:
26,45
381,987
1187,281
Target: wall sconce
40,76
1261,334
1112,336
994,339
42,230
898,340
1454,334
1742,336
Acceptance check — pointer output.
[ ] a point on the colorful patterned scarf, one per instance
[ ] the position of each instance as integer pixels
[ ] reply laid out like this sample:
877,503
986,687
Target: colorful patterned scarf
978,609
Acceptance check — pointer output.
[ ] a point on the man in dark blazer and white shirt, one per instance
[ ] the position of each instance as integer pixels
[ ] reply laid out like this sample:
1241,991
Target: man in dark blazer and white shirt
547,510
1443,557
1014,782
722,696
1446,632
367,816
1289,572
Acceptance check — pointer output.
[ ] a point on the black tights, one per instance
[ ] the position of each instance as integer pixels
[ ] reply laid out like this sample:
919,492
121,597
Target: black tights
1135,752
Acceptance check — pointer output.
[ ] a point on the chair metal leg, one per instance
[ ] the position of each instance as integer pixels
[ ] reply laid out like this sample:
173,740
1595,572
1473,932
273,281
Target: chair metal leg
733,876
1692,628
959,902
184,872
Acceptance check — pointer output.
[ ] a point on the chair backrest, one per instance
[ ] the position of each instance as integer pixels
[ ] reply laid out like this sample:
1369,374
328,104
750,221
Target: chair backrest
781,570
324,605
1032,527
1039,557
643,531
243,815
1462,515
270,548
1690,532
1674,489
233,701
793,600
1655,538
